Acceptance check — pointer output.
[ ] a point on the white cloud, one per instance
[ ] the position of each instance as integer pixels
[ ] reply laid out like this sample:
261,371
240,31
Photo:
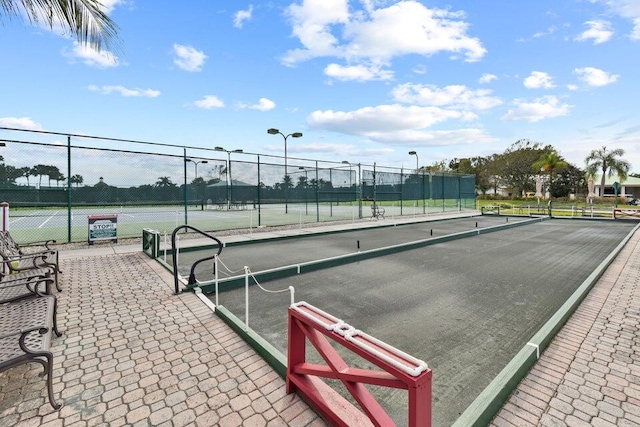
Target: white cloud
377,35
264,104
106,90
542,108
635,33
598,31
109,5
359,73
20,123
628,9
340,150
434,138
93,58
188,58
369,121
208,102
241,16
487,78
455,96
595,77
572,87
539,79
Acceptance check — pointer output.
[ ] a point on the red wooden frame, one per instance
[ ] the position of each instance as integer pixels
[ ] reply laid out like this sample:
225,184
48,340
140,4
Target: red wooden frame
398,370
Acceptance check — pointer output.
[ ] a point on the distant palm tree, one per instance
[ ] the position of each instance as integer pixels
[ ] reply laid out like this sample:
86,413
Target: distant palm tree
604,160
77,180
83,18
550,163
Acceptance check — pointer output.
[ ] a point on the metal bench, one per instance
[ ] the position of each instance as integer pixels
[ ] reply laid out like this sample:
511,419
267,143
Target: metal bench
39,255
377,211
25,335
26,284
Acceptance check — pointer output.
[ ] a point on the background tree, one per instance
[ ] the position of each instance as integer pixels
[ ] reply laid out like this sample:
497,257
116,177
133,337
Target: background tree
550,163
77,180
40,171
570,180
84,19
514,166
603,160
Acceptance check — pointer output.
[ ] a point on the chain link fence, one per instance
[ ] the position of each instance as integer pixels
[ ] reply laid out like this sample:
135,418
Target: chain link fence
55,182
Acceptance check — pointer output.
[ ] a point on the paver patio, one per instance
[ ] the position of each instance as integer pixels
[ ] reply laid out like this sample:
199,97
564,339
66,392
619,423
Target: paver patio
133,353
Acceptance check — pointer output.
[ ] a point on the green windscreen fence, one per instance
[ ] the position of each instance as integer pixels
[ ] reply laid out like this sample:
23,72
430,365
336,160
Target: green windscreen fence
54,183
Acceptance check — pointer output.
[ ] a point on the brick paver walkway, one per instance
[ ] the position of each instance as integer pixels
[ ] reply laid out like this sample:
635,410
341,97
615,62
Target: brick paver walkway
590,374
133,353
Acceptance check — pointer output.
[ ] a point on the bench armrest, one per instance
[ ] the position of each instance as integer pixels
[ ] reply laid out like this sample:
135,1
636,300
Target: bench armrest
44,243
32,285
24,332
42,256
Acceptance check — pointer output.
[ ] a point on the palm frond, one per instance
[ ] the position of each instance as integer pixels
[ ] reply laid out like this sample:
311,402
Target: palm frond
85,19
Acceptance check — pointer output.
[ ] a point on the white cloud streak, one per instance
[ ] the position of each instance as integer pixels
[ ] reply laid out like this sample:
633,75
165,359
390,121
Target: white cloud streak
264,104
487,78
20,123
598,31
209,102
454,96
538,80
93,58
539,109
188,58
595,77
123,91
360,73
241,16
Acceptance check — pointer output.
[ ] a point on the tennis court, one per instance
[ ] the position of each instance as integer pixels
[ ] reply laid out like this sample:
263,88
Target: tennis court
464,306
36,224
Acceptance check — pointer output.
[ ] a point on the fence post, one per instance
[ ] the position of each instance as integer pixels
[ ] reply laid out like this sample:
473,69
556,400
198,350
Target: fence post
184,164
401,181
259,194
69,188
317,199
359,192
5,215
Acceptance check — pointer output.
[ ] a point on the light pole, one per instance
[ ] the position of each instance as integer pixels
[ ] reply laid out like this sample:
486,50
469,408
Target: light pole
195,163
415,153
273,131
306,185
229,181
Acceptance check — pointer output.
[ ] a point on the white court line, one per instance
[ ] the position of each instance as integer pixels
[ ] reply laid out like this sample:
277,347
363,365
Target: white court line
48,219
16,220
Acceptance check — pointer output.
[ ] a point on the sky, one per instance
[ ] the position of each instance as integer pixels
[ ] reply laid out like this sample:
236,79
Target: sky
364,81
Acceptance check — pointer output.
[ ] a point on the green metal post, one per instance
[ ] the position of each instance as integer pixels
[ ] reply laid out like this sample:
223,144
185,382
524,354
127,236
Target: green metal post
443,199
317,200
422,192
401,199
359,191
259,204
184,164
330,194
69,188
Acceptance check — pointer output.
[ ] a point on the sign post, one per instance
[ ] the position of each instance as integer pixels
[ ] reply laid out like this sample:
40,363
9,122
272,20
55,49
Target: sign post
616,189
103,227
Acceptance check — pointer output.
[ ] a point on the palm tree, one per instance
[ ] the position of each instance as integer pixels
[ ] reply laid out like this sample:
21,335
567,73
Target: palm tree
550,163
604,160
77,180
83,18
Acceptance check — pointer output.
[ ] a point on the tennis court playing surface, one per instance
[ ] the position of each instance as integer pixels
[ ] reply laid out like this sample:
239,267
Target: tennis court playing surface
466,306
